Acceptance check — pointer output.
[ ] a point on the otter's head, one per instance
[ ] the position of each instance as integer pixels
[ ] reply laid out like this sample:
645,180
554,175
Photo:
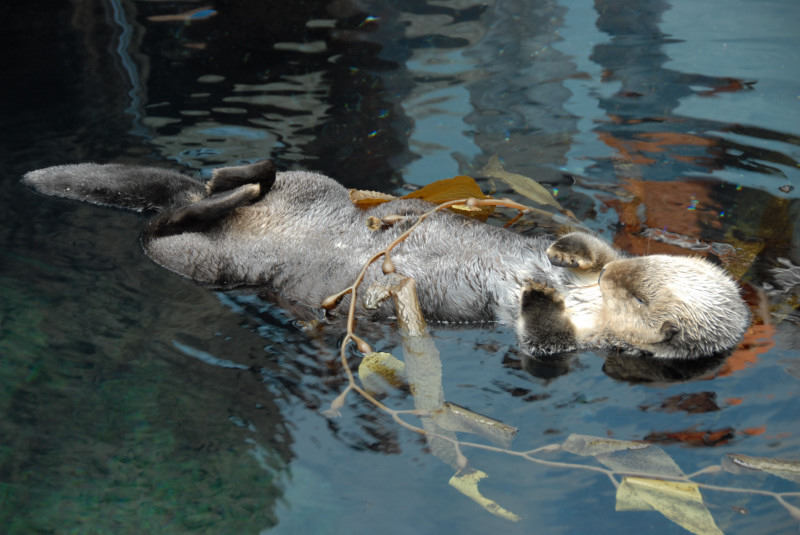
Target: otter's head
671,307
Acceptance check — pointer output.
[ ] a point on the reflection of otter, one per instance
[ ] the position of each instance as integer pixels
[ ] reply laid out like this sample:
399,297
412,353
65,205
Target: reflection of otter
298,233
661,372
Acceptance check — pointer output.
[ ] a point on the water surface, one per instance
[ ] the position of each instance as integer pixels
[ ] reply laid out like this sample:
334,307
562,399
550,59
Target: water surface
136,402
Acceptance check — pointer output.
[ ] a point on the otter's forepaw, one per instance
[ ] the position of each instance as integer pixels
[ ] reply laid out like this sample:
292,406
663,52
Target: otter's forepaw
543,327
538,293
562,259
582,251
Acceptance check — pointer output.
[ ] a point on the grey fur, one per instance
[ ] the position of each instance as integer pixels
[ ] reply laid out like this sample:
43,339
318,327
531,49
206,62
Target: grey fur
298,233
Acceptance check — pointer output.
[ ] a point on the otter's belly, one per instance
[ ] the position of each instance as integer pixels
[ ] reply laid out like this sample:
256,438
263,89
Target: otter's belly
583,302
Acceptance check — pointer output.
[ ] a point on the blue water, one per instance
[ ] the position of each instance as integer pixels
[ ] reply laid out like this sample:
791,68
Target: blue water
132,401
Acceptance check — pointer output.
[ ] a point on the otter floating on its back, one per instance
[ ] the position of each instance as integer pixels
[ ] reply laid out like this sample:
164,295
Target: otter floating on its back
298,234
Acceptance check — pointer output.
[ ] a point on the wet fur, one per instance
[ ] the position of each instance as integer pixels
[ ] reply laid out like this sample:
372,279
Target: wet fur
298,234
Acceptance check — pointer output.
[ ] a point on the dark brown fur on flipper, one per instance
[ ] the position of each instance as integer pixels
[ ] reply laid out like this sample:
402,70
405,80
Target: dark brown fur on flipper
201,215
228,178
137,188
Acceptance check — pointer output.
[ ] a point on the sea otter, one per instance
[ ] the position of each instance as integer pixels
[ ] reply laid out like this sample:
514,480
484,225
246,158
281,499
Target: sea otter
298,234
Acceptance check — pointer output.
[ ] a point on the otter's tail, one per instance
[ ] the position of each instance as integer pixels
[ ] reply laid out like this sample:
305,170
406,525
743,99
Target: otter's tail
131,187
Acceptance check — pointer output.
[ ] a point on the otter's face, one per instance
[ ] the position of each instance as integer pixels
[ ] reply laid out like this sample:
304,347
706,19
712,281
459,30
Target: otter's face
671,307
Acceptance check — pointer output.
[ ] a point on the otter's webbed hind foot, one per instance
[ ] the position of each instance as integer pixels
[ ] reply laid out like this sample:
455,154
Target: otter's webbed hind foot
543,327
133,187
229,178
228,189
201,215
582,251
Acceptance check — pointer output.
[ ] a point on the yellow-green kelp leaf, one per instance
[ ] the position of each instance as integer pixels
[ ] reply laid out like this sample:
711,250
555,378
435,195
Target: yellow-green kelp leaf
523,185
678,501
455,418
466,482
588,445
624,456
379,372
777,467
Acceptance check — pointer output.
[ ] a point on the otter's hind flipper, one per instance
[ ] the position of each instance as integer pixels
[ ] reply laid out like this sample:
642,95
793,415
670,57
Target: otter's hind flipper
201,215
581,251
125,186
228,189
228,178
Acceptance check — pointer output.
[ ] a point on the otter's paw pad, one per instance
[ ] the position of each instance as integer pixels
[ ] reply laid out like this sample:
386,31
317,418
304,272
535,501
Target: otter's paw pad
571,251
539,293
561,259
580,251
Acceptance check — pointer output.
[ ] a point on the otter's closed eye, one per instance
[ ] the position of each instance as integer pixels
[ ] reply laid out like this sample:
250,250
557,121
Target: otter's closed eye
639,297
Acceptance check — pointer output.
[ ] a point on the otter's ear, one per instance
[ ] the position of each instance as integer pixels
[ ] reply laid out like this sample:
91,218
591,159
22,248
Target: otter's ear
668,330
